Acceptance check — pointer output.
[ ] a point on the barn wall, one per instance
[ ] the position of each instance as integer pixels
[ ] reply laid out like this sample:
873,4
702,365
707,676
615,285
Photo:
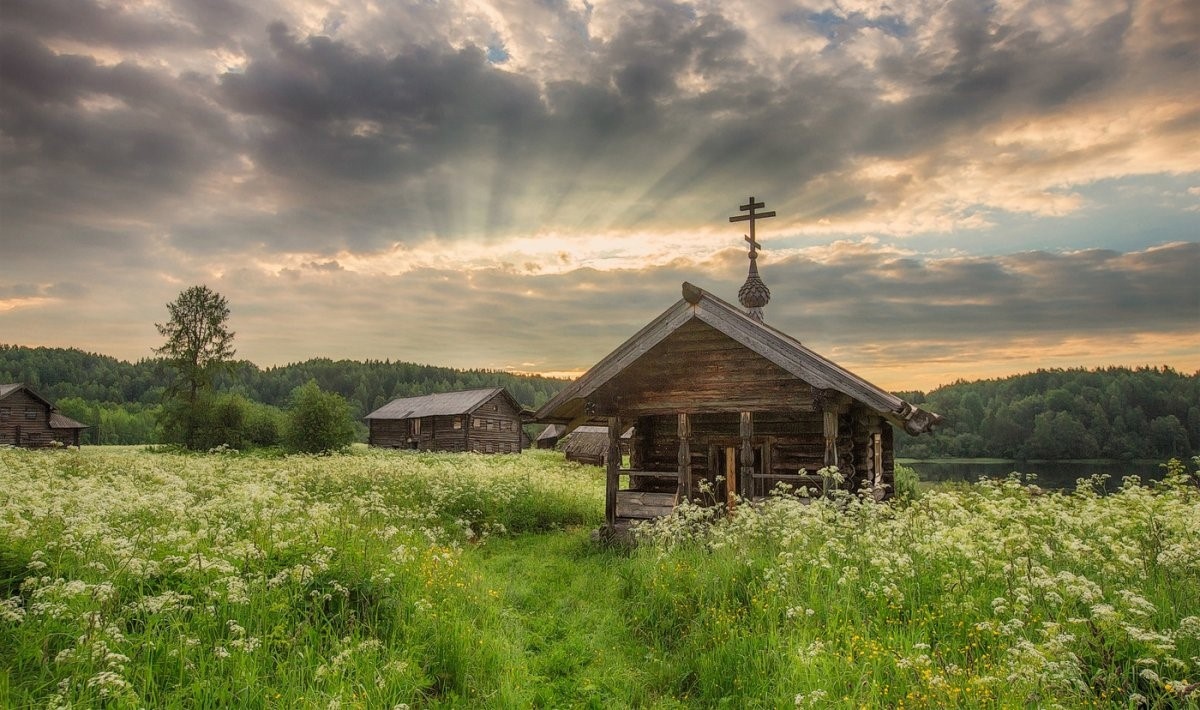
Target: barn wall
389,433
495,427
14,412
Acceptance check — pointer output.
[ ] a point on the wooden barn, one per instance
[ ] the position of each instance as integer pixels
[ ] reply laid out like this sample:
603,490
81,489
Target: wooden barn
717,396
29,419
589,444
549,437
487,421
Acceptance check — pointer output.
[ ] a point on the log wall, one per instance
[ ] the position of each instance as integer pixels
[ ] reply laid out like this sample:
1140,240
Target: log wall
699,369
785,444
494,427
25,421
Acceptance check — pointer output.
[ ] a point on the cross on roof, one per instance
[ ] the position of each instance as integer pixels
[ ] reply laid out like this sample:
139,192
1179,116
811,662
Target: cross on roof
751,217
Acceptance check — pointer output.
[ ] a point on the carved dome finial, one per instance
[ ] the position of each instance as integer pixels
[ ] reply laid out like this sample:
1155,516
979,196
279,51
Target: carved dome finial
754,294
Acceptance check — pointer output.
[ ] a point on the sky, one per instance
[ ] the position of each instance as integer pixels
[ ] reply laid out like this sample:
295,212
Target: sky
964,189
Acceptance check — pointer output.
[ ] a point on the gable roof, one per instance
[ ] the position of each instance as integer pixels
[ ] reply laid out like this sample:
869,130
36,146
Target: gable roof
552,431
771,344
6,390
439,405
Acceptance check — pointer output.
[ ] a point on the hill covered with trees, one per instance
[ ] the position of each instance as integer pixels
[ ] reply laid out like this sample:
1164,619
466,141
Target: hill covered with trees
120,399
1117,413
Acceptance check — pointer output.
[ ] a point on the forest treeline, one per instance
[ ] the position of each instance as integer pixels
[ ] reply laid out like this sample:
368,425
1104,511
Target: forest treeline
1049,414
1117,413
122,400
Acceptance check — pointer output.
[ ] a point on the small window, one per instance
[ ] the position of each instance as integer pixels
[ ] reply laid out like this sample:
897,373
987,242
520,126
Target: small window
475,423
31,414
458,422
5,412
494,408
416,427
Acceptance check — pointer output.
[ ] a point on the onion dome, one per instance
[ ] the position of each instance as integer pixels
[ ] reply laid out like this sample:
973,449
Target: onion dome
754,294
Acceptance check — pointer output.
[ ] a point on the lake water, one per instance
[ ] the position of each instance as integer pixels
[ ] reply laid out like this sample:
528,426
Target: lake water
1050,474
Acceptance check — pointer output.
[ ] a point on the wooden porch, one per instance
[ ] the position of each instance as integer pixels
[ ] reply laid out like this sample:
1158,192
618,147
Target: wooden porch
718,467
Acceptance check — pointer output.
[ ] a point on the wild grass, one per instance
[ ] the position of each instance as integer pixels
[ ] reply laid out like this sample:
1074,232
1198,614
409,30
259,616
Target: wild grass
383,579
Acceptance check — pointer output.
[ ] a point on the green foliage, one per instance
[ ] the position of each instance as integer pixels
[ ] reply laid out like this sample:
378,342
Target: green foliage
1117,413
908,483
173,580
198,344
379,578
59,374
132,423
318,421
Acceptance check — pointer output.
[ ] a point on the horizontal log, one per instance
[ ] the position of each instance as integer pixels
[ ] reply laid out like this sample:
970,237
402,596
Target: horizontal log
644,504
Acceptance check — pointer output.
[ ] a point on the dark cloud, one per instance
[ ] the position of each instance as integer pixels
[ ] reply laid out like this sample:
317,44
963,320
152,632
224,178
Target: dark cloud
109,24
273,146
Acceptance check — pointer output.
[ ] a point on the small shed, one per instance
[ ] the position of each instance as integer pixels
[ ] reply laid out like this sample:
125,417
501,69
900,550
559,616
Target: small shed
589,444
549,437
30,420
487,421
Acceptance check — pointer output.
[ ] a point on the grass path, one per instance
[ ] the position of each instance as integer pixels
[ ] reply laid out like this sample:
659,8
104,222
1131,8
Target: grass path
560,598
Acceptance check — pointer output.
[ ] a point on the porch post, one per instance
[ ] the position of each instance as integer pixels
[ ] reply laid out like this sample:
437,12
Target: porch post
831,434
613,479
747,472
684,490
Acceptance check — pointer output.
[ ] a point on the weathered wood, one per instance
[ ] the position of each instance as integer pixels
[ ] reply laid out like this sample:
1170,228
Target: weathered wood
746,427
491,425
731,477
685,457
831,435
613,479
643,505
30,420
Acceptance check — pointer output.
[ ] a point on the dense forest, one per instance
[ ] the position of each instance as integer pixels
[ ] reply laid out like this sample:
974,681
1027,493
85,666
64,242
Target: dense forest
121,400
1050,414
1116,413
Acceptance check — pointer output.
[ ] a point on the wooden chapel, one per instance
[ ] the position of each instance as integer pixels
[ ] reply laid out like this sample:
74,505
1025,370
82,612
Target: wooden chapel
723,406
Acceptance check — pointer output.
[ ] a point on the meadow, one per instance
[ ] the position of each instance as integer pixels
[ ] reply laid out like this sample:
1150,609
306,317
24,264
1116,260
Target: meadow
377,579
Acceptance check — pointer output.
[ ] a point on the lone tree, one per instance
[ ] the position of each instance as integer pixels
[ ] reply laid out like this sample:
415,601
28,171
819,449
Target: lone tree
199,343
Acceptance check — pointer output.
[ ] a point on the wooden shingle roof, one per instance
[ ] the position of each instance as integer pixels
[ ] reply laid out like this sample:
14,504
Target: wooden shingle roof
774,345
62,421
438,405
552,431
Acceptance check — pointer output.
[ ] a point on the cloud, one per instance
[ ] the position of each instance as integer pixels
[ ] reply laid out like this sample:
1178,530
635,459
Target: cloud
324,130
905,320
568,149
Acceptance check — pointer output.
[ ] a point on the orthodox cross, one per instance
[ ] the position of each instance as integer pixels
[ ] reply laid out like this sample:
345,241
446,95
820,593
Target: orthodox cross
751,217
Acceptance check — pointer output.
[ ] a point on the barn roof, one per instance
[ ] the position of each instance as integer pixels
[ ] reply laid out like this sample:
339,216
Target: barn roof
598,430
590,440
438,405
587,441
61,421
6,390
552,431
774,345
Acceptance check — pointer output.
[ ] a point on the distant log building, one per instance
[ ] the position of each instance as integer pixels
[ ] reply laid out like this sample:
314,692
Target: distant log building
589,444
487,421
717,397
30,420
549,437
